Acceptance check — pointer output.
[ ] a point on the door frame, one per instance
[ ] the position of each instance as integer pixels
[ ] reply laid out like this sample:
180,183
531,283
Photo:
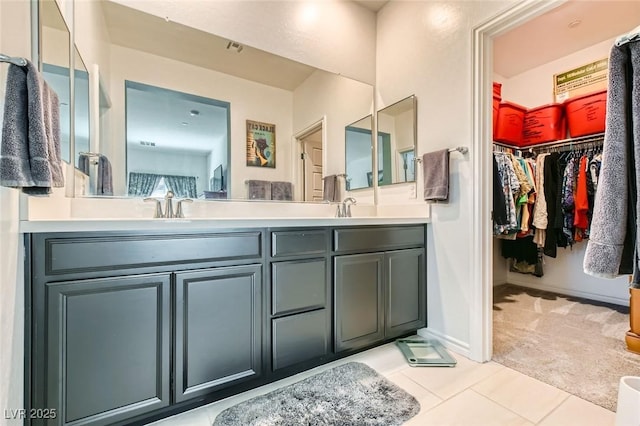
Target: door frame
296,165
481,314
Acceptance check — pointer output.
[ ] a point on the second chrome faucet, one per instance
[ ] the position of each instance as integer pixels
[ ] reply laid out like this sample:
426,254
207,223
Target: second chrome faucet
344,208
168,209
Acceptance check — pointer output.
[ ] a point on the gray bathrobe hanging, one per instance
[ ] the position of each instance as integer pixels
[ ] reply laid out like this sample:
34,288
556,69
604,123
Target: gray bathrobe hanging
613,245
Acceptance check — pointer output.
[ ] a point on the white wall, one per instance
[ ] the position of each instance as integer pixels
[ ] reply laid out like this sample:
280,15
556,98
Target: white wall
148,160
249,101
332,35
563,274
424,48
323,95
15,41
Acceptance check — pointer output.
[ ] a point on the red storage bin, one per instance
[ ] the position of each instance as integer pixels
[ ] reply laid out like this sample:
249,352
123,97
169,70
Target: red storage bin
586,114
497,90
544,124
510,123
496,107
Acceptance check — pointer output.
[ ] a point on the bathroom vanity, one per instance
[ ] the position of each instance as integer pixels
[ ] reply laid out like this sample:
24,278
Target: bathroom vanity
130,326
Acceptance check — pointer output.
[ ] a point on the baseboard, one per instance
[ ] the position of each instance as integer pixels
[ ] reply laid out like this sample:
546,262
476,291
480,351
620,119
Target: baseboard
572,292
448,342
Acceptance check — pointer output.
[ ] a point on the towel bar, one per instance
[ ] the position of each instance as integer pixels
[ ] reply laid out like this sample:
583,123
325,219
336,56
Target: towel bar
461,149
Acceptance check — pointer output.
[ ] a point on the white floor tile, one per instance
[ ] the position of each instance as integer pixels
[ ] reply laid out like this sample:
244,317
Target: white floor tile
426,399
576,411
528,397
468,409
448,381
196,417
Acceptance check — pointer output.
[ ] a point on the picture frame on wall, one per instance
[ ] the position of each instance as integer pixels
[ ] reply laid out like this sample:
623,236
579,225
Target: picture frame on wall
261,144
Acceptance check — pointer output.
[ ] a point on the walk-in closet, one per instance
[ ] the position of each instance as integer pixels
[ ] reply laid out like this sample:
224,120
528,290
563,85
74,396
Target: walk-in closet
552,321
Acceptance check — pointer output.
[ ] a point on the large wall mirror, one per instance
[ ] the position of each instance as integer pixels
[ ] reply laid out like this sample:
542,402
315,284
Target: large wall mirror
201,92
359,154
396,126
55,59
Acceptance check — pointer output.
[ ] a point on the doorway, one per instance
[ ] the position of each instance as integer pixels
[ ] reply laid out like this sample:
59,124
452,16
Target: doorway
310,144
483,41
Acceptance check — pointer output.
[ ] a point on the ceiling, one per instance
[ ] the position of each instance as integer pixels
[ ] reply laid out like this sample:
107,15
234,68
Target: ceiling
141,31
550,37
372,5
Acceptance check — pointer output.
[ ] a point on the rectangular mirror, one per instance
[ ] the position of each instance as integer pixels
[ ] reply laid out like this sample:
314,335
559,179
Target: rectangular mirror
55,65
175,142
397,142
359,154
81,125
131,46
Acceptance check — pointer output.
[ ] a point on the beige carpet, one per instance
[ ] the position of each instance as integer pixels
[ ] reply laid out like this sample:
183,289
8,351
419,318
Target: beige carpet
571,343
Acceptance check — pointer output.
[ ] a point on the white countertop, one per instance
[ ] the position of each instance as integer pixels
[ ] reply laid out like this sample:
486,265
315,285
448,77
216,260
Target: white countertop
84,225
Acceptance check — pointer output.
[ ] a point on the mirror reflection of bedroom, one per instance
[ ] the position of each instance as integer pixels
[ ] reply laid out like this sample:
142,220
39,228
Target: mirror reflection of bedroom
552,321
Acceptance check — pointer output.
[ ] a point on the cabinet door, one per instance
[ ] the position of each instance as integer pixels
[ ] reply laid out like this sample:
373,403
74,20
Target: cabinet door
359,310
108,348
300,337
218,329
405,291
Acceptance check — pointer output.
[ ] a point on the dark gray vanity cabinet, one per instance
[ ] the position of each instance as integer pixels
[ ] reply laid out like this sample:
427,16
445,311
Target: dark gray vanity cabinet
218,329
300,294
107,348
381,294
359,303
120,326
405,291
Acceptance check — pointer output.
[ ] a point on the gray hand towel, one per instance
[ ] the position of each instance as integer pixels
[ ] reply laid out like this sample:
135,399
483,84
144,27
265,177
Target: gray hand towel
30,152
105,180
259,190
84,164
435,167
330,189
281,191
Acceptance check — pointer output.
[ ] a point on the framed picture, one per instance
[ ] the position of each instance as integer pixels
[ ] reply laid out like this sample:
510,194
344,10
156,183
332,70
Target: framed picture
261,144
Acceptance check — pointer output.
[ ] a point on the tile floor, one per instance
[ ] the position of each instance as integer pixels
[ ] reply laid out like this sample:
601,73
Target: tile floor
468,394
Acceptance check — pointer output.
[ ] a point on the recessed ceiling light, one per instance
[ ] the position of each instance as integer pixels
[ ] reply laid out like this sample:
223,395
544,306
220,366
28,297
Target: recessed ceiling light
194,113
575,23
184,123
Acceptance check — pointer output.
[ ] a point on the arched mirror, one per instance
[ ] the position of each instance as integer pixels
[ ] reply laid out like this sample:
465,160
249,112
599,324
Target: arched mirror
396,125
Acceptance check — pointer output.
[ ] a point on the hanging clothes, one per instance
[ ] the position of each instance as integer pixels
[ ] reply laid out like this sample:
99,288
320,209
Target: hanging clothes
568,189
613,243
551,179
580,221
499,200
540,220
511,188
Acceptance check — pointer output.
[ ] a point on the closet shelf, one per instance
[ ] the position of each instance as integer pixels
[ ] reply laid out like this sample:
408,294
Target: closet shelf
570,141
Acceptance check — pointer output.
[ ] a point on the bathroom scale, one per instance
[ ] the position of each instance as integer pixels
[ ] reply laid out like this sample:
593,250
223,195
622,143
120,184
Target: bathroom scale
421,352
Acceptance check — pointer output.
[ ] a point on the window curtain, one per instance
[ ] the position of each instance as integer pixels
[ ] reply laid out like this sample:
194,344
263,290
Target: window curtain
182,186
142,184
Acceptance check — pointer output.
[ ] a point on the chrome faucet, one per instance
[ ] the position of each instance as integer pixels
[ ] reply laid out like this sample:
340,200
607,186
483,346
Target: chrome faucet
168,209
168,205
344,208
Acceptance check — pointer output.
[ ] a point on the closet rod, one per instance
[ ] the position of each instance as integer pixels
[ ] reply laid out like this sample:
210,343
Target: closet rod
570,142
21,62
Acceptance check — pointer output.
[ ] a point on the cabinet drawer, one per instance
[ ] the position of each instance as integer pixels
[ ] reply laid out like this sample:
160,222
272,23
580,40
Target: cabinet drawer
384,238
290,243
298,285
89,254
301,337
